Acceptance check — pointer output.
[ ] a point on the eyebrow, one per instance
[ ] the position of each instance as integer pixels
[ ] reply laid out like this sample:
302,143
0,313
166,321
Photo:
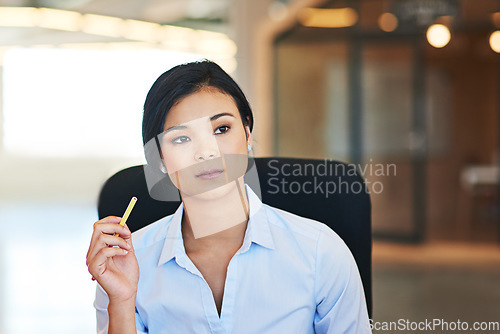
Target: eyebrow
212,118
177,127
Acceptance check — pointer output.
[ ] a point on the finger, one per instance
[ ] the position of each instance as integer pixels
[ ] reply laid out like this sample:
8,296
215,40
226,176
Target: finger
125,232
129,241
97,266
122,240
107,240
115,229
107,225
98,225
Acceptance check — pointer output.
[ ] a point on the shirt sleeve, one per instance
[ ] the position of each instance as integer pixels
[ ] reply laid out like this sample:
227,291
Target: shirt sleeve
340,299
101,307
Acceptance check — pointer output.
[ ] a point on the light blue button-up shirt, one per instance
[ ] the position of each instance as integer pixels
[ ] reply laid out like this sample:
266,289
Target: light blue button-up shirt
291,275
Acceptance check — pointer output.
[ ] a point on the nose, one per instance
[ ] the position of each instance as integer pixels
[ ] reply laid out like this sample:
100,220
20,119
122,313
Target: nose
207,150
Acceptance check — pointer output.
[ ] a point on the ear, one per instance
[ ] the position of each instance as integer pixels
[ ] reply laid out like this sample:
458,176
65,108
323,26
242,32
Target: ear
163,168
249,135
163,165
247,132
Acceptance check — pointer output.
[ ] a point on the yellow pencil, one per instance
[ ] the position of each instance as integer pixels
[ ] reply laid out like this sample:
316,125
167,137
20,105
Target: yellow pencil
127,212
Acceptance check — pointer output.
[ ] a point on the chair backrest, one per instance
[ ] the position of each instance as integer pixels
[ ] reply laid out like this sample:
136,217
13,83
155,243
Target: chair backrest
328,191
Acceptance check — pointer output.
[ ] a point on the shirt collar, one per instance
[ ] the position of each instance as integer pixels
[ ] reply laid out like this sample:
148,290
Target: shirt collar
173,239
258,230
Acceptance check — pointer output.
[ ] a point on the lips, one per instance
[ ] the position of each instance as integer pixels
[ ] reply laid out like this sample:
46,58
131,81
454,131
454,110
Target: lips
209,174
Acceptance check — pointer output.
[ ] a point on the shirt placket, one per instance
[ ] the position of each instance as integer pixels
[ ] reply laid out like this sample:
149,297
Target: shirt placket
230,294
222,325
206,294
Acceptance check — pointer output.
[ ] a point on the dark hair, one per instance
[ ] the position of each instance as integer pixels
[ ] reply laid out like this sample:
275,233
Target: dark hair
181,81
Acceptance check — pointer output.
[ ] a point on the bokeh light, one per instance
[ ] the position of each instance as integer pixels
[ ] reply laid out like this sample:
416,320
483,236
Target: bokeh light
495,41
388,22
438,35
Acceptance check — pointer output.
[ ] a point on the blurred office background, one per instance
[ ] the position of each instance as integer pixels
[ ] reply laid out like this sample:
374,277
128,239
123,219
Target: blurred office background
413,84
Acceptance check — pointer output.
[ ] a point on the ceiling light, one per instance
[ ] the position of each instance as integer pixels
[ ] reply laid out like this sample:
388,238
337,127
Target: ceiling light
141,30
59,19
18,16
102,25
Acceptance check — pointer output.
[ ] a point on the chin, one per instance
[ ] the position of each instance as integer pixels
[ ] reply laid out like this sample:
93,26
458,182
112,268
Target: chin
213,193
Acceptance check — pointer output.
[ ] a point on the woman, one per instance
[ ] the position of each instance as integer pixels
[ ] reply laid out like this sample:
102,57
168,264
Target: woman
224,262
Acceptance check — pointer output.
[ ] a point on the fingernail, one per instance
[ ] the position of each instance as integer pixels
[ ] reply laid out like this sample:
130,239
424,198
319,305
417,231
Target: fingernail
124,251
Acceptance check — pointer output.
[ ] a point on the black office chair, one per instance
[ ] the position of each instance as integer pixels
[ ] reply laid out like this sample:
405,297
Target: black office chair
347,210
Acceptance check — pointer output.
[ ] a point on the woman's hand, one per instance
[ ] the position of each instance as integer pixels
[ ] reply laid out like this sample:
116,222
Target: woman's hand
111,260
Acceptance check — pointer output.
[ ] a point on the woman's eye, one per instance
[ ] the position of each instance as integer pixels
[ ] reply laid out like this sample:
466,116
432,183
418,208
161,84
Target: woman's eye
221,129
180,140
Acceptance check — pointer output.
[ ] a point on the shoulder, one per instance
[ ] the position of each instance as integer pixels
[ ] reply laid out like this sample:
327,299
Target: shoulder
322,241
308,228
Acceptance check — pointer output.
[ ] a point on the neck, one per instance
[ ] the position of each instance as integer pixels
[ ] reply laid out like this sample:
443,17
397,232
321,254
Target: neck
218,222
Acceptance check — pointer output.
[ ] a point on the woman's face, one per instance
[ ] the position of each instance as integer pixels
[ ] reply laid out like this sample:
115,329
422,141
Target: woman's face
204,143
